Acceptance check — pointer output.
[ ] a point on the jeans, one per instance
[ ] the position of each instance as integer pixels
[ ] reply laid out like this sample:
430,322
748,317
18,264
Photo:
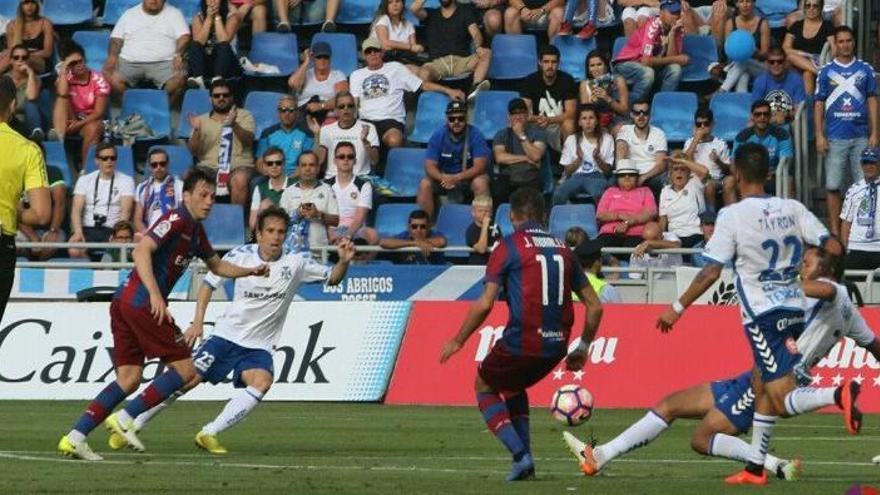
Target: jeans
571,8
220,63
33,119
641,78
843,154
593,183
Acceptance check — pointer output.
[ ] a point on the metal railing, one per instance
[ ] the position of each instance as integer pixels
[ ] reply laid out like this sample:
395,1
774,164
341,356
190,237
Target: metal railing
801,143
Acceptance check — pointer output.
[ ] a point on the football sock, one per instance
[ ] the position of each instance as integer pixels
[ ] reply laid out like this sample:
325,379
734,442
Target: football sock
762,430
638,435
236,410
592,6
497,418
145,417
806,399
518,408
730,447
160,389
98,410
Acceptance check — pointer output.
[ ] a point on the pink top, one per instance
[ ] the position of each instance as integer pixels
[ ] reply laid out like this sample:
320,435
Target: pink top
84,96
616,200
647,41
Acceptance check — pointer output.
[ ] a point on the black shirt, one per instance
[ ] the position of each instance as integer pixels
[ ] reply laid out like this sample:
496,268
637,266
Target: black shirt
812,45
549,100
449,36
472,235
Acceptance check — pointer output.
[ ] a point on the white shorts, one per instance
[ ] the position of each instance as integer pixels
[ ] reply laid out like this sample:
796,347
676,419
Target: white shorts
631,13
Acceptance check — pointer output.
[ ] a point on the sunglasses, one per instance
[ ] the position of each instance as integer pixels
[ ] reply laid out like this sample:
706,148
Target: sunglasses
20,57
629,176
344,106
702,123
418,226
760,114
456,118
286,109
811,6
220,95
163,164
641,113
370,51
106,158
74,63
775,61
325,57
345,157
274,163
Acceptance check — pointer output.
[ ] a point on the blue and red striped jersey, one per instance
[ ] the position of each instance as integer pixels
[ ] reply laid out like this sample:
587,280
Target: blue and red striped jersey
538,273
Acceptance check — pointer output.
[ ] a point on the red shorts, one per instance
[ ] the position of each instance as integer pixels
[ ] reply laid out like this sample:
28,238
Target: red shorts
507,373
137,336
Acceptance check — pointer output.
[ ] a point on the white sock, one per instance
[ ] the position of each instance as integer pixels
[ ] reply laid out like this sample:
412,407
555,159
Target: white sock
738,450
762,430
123,417
143,418
806,399
638,435
236,409
76,436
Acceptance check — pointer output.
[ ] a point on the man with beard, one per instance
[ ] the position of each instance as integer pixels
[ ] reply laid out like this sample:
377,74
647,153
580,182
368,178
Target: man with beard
552,95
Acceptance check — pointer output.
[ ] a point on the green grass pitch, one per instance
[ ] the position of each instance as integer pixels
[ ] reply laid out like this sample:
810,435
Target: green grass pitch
369,448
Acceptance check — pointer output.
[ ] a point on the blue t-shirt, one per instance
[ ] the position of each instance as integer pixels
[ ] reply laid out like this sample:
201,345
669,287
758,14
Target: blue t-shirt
790,90
447,151
845,89
292,142
776,140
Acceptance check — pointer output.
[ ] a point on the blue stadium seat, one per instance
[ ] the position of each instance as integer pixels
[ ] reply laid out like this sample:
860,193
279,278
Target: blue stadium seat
187,7
502,219
56,156
278,49
514,56
404,169
68,12
776,10
96,44
225,225
732,113
673,111
8,9
391,218
619,43
124,160
344,46
264,105
702,51
573,54
453,221
179,157
357,11
196,102
490,111
563,217
114,9
153,106
430,115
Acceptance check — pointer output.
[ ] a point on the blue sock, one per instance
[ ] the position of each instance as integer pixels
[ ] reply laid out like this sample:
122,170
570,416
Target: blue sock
518,407
570,8
495,414
593,5
100,408
161,388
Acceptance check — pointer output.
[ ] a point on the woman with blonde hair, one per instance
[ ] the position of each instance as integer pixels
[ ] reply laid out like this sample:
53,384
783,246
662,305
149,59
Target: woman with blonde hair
35,32
395,33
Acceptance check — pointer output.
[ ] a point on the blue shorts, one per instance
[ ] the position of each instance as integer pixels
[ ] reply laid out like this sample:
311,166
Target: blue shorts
736,400
773,337
216,357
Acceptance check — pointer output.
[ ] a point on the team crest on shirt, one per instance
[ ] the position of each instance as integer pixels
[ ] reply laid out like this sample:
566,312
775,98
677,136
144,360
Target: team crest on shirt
650,148
354,195
162,228
286,273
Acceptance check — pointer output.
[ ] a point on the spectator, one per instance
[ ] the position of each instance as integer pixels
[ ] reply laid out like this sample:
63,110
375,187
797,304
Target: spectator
311,205
654,47
704,17
708,151
286,136
552,96
606,91
450,31
81,100
644,257
493,16
396,35
256,9
587,159
779,85
52,232
533,14
860,230
350,129
419,235
707,227
316,84
379,89
776,139
636,13
576,236
307,12
455,161
746,19
805,40
831,10
35,32
846,118
210,54
123,233
149,43
519,152
589,255
585,14
645,146
624,209
222,142
273,160
26,119
682,201
156,195
482,234
354,196
100,199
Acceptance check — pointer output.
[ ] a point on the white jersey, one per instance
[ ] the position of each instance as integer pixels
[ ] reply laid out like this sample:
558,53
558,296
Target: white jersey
764,238
256,315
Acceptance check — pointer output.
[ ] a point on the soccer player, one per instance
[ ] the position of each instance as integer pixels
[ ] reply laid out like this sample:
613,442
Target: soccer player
764,237
143,328
538,273
251,325
726,406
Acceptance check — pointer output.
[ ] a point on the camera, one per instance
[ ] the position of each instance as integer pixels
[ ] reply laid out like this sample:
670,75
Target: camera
99,220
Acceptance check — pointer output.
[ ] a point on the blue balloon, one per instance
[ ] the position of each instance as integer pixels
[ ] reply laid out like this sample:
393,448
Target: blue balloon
740,45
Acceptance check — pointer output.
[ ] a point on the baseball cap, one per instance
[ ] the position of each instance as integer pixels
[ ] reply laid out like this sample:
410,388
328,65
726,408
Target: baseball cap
708,217
517,105
588,249
371,43
322,48
871,156
673,6
456,107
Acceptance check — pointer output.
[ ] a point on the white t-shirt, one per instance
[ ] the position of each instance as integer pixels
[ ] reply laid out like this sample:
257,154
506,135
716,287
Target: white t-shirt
569,153
857,210
399,33
255,317
381,91
704,150
683,208
123,185
643,153
332,134
149,38
357,194
323,198
324,89
149,193
765,238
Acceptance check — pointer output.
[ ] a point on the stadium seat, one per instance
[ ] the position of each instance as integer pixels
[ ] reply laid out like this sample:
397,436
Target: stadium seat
563,217
502,219
732,113
430,116
344,46
114,9
776,10
8,9
196,102
619,43
673,111
96,44
124,160
490,111
263,104
68,12
514,56
225,225
179,157
152,104
278,49
357,11
391,218
573,54
187,7
56,156
453,221
702,51
404,169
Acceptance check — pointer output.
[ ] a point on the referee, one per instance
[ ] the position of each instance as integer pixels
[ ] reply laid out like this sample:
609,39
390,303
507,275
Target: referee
21,170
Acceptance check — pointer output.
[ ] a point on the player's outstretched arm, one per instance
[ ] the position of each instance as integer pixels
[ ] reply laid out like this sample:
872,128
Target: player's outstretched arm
346,251
704,279
577,358
196,328
228,270
819,290
477,313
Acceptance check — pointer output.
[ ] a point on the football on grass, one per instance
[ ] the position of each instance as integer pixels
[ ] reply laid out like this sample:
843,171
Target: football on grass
572,405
